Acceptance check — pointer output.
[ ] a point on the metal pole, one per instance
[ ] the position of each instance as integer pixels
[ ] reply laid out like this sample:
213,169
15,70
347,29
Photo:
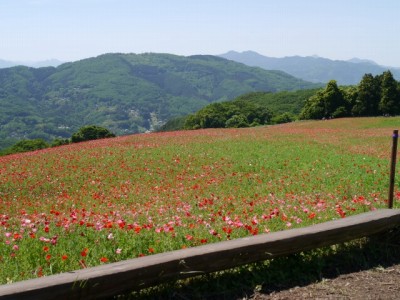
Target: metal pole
393,167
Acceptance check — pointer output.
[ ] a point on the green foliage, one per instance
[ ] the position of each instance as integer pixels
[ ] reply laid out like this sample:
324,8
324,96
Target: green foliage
25,146
283,106
237,121
368,97
374,96
238,113
313,108
283,118
328,103
60,142
390,97
91,132
280,102
85,133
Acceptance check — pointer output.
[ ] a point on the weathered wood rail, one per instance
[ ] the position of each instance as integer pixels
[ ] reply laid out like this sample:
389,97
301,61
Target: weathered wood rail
115,278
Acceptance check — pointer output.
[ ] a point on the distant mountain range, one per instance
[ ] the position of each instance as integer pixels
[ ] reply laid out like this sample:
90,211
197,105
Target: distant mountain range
33,64
126,93
313,68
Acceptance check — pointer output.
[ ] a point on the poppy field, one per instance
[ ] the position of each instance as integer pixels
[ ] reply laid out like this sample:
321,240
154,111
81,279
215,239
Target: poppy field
97,202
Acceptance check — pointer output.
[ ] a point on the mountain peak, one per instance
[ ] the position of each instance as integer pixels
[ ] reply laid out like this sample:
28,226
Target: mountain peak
357,60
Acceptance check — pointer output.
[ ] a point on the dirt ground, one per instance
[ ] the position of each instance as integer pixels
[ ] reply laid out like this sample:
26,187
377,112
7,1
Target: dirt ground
378,283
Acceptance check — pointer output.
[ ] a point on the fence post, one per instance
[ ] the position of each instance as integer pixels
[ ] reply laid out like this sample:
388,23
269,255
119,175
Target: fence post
393,167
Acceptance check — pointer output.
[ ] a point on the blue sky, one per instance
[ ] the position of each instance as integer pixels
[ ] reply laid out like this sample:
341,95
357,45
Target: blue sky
70,30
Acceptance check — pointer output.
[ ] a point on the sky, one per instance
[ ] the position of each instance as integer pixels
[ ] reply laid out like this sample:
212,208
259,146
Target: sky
70,30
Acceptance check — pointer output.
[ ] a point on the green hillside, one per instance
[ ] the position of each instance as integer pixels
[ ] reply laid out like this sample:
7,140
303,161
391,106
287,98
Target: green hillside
126,93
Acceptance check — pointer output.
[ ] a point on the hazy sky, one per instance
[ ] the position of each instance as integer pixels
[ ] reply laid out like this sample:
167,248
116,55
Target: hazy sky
69,30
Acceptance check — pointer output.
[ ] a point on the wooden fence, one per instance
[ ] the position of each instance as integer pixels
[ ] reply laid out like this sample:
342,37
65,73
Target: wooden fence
116,278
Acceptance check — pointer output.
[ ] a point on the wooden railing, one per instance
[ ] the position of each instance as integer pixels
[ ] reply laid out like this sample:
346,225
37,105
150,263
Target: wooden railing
116,278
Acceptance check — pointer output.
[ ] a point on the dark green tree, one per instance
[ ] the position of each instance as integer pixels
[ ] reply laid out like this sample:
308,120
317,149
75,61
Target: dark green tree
253,113
368,96
390,98
59,142
313,108
238,113
333,99
91,132
325,104
192,122
350,94
283,118
237,121
26,146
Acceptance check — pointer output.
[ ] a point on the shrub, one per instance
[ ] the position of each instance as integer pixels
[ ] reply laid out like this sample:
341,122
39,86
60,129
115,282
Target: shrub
91,132
26,146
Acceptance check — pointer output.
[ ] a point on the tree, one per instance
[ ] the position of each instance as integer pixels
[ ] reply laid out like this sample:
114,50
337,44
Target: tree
26,146
333,98
91,132
313,108
390,98
237,121
325,104
368,96
192,122
350,94
283,118
59,142
239,113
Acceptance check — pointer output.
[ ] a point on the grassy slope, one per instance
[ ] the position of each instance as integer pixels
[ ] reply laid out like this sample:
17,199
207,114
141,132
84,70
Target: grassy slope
145,194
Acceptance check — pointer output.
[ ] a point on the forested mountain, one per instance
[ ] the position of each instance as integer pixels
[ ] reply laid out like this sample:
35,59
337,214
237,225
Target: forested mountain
126,93
313,68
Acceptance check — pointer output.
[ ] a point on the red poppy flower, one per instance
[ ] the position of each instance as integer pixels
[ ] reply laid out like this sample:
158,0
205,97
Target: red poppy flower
84,252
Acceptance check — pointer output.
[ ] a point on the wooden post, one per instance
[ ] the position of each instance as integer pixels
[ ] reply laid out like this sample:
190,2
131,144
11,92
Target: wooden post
393,167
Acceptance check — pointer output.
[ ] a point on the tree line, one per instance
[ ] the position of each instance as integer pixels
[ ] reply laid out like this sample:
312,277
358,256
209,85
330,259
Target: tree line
235,114
373,96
